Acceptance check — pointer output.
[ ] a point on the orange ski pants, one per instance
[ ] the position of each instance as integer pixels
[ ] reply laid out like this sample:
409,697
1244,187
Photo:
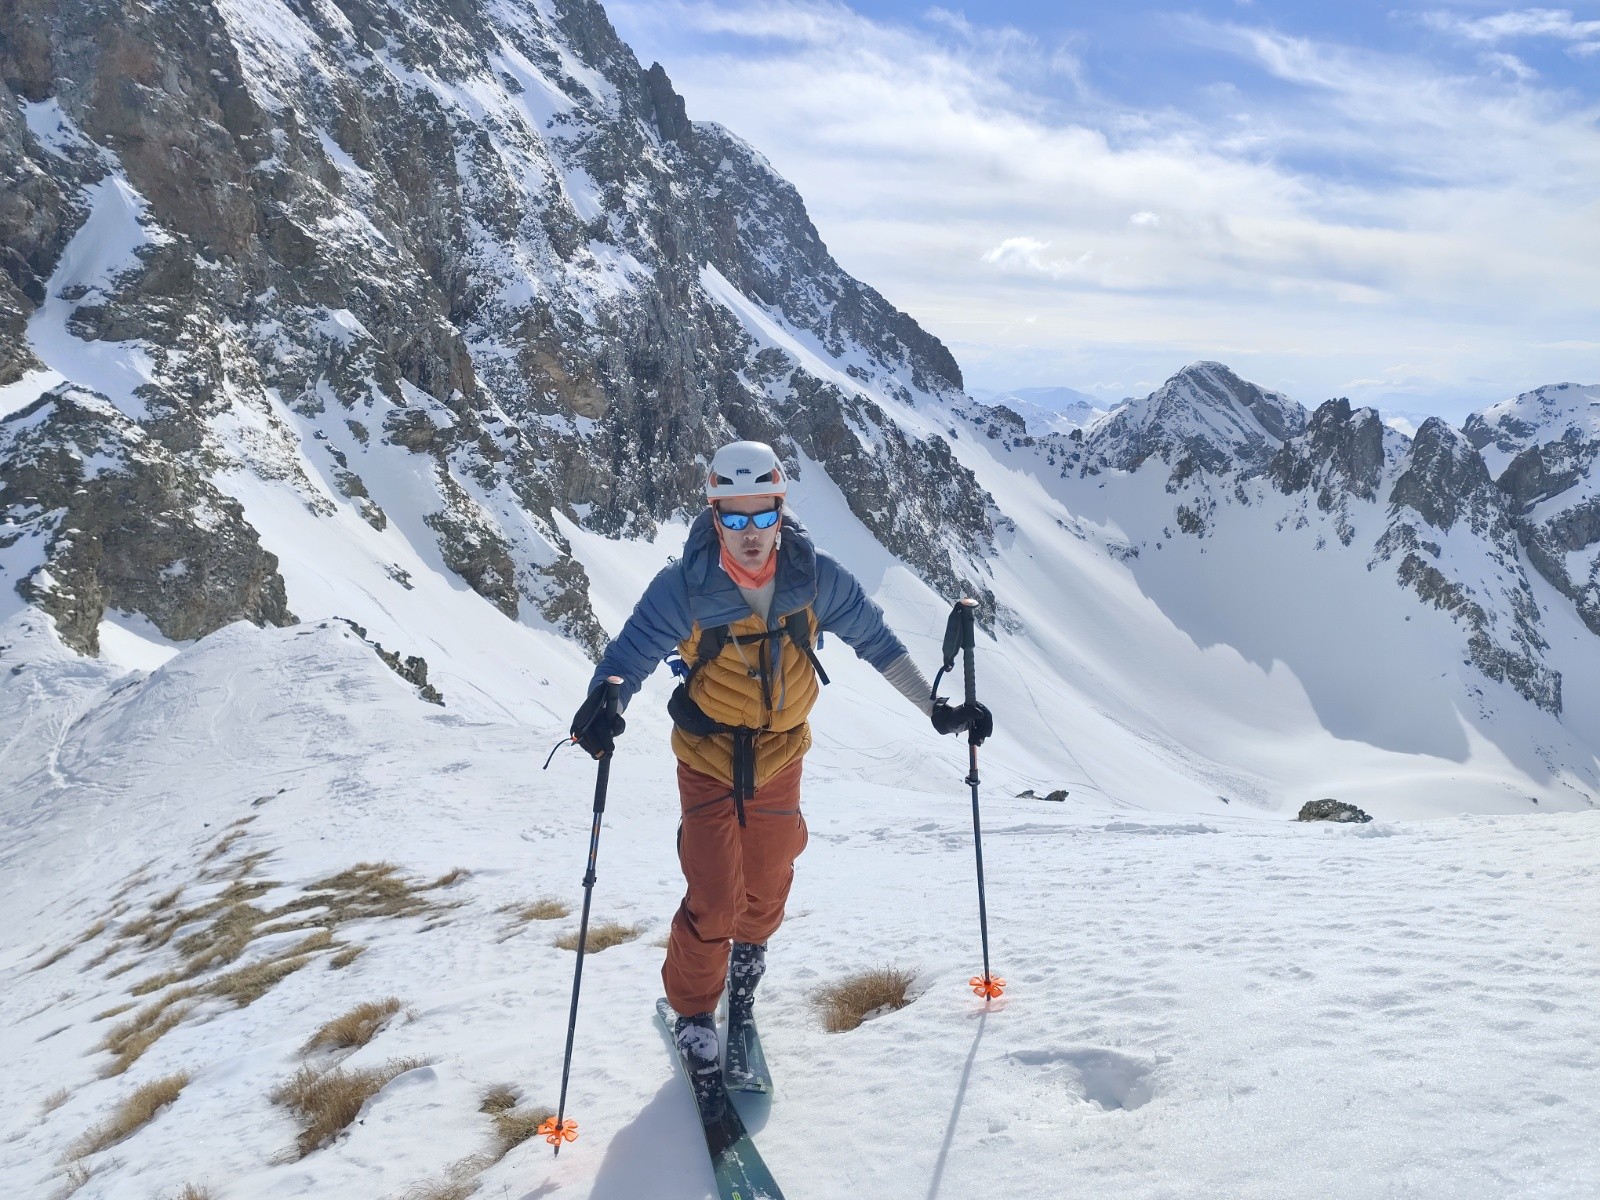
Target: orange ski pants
738,878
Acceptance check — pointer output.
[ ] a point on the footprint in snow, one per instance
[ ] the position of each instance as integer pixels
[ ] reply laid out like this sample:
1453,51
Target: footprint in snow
1104,1078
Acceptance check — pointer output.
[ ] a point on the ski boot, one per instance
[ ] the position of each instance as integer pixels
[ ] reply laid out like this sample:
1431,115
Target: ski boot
746,965
696,1039
746,1066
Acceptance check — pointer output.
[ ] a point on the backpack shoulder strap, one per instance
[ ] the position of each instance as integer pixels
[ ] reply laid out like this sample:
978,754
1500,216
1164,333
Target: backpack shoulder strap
797,625
712,639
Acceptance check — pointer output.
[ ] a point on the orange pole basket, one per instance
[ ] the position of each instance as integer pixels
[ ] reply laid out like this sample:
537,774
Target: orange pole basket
987,986
557,1132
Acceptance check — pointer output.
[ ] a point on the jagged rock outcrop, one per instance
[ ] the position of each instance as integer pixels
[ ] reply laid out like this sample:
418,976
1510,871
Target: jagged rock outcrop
1445,489
116,521
480,244
1543,446
1344,455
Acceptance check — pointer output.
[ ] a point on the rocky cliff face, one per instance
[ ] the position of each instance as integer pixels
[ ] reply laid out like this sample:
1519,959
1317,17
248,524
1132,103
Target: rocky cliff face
1542,447
475,245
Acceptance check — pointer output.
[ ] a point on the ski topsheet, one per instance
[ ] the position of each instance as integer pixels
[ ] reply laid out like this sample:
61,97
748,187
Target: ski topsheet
744,1066
739,1171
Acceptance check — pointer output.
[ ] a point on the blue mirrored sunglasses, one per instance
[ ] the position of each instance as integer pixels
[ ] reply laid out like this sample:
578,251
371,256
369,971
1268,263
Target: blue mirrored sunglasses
763,520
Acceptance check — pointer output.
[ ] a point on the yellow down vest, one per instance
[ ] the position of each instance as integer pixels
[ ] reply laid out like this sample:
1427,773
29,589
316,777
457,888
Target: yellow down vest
758,680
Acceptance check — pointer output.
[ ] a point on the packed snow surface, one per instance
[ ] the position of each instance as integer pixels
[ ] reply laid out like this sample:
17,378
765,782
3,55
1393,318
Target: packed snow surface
1202,1000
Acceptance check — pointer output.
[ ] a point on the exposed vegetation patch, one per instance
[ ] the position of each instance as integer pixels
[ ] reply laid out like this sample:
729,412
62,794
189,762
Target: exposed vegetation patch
444,1189
355,1028
73,1178
55,1100
856,998
546,908
325,1102
346,956
131,1115
512,1128
55,957
212,935
502,1097
601,937
126,1042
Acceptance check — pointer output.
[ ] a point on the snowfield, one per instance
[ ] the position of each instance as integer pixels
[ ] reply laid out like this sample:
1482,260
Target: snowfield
1205,998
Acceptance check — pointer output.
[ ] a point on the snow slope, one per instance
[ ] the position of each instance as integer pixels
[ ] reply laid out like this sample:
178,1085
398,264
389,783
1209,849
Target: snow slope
1227,1004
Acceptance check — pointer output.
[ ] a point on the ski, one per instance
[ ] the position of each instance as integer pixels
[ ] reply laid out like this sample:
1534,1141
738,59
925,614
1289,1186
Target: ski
744,1066
737,1165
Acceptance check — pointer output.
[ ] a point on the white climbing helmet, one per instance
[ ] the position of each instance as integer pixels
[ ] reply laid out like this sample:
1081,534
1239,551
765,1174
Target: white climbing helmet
745,469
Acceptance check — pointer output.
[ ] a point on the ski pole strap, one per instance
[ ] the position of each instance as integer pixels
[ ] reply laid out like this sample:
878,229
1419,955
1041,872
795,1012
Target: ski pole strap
958,636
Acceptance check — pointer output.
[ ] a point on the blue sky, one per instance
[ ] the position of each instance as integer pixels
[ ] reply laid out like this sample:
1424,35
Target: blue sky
1398,203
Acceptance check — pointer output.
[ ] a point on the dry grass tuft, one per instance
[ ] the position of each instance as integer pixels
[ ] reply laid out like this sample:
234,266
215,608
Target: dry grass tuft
113,1012
94,931
223,845
852,1000
324,1103
454,875
546,908
54,958
601,937
132,1114
444,1189
322,939
356,1028
245,985
512,1128
73,1178
346,956
502,1097
55,1100
156,982
192,1191
127,1041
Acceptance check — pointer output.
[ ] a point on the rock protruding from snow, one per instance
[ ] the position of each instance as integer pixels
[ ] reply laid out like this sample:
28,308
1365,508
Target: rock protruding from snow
1331,810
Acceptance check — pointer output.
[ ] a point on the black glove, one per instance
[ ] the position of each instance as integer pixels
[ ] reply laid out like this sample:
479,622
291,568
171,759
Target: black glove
596,729
974,716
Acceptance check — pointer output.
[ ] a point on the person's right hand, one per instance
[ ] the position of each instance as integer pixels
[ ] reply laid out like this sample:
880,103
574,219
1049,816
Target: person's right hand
594,727
975,716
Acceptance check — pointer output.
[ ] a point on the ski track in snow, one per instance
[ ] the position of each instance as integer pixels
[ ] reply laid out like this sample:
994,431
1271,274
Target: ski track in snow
1220,1005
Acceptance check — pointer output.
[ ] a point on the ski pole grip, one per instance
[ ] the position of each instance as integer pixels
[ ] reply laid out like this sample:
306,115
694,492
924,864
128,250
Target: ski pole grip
613,694
965,615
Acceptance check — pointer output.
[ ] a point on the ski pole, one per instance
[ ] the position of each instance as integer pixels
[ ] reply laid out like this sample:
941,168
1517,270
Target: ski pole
556,1128
959,636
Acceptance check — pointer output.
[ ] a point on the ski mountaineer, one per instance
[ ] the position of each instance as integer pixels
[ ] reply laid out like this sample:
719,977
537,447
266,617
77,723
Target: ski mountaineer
743,608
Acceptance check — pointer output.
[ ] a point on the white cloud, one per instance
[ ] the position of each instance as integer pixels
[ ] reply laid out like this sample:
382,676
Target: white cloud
1377,208
1526,23
1508,64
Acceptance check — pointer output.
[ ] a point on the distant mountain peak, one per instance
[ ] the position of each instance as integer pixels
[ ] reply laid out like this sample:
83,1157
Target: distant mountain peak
1204,414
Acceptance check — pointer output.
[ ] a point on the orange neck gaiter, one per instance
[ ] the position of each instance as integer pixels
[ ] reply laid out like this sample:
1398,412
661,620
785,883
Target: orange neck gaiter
749,579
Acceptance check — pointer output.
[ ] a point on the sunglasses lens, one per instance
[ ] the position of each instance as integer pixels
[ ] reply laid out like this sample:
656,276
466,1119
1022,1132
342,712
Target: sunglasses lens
737,521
